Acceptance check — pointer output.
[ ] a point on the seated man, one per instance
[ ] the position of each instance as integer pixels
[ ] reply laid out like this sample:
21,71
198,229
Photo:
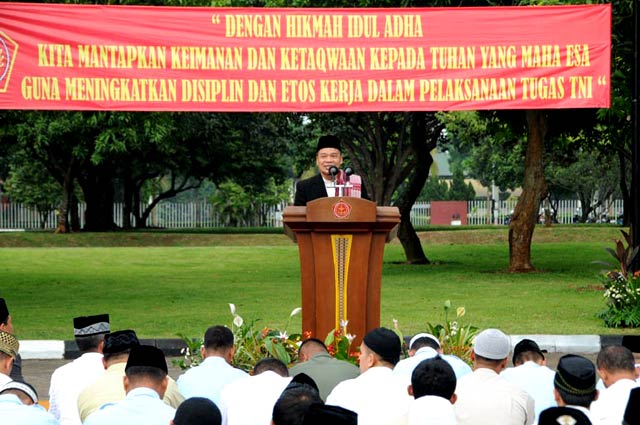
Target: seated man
433,385
616,367
19,406
108,387
250,400
215,372
426,346
326,371
145,383
532,374
6,324
377,395
293,404
69,380
575,384
484,397
8,352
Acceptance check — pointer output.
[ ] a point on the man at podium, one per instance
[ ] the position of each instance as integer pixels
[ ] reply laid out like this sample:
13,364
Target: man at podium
330,177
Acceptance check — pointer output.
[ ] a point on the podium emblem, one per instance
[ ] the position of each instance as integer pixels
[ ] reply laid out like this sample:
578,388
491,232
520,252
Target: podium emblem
341,209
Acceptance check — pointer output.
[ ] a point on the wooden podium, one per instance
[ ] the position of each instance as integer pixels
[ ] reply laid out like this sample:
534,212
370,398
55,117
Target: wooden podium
341,243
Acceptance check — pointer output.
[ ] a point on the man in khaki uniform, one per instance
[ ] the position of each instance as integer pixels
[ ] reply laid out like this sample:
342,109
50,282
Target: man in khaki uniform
109,387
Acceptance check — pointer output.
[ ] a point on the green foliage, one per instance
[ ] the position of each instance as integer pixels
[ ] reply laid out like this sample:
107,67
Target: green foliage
455,337
338,342
622,287
436,189
31,185
253,343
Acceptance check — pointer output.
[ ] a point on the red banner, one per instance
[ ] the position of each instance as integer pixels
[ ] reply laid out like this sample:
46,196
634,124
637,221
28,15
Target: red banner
87,57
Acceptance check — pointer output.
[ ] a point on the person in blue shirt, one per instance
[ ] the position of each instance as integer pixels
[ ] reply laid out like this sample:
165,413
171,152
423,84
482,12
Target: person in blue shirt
145,383
19,406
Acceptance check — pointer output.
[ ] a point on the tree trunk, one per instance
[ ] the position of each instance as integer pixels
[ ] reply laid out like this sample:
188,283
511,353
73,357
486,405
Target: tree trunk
129,188
411,190
97,188
74,214
624,189
62,219
525,213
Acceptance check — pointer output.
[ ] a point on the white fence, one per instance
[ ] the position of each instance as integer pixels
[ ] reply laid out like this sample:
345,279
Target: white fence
173,215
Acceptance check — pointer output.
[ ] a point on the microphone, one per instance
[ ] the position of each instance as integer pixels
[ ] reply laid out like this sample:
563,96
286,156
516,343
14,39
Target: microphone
348,171
333,171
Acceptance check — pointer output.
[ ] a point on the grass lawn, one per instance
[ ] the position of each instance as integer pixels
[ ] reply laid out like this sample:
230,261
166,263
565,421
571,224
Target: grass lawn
164,283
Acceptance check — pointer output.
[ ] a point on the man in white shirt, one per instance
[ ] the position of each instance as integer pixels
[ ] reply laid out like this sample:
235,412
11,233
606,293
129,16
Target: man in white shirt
19,406
532,374
378,396
574,386
425,346
250,400
8,351
215,372
433,385
145,383
484,397
616,367
69,380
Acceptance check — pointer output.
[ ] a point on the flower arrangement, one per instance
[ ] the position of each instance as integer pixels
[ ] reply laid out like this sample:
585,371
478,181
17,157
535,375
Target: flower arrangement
338,343
250,342
455,337
622,287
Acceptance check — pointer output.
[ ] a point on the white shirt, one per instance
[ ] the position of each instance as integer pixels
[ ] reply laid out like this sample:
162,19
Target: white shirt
485,398
404,369
4,379
611,403
431,409
66,384
208,379
378,397
250,400
536,380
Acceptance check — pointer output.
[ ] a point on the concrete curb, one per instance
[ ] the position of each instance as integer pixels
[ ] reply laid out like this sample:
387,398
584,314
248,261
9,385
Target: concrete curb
58,349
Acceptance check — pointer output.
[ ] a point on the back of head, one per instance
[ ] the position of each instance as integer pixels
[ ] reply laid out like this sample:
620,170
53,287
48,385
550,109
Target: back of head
311,346
433,377
119,344
25,392
385,344
491,346
197,411
89,331
616,358
146,364
272,364
563,415
575,380
218,338
293,404
527,350
424,341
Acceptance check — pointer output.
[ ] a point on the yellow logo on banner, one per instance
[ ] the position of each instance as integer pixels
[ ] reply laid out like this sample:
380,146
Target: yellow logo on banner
8,51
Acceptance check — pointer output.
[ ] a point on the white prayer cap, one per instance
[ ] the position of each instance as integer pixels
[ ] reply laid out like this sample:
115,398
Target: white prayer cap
492,344
423,335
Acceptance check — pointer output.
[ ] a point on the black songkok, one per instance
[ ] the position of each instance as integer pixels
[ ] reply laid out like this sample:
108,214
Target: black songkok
323,414
147,356
575,375
4,311
632,342
303,379
385,343
197,411
91,325
524,346
120,341
328,141
563,415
